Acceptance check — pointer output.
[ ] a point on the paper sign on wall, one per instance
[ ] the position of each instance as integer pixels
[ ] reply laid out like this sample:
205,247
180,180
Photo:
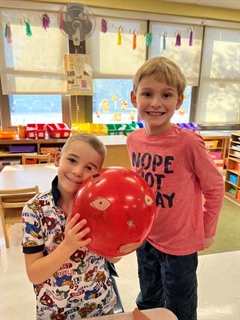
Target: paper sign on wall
79,74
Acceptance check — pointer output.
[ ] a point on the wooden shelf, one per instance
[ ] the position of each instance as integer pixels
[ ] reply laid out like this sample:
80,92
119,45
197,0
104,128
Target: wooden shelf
117,154
222,146
232,180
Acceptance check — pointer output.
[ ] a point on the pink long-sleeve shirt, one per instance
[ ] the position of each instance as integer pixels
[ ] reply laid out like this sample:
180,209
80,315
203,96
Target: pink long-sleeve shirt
188,186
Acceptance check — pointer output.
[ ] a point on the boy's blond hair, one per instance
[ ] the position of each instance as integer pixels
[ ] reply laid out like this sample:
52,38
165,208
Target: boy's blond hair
163,69
91,139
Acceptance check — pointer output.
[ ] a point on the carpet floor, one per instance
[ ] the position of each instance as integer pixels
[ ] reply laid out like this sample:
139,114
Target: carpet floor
228,230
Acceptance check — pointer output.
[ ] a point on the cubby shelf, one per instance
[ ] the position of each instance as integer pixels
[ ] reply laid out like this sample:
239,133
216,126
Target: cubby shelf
232,181
217,146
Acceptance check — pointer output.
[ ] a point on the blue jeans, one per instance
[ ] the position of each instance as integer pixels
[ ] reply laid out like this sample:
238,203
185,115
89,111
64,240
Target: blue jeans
167,281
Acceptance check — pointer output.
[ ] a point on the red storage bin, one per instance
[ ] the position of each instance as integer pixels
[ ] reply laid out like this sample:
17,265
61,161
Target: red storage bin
31,131
35,130
58,130
40,131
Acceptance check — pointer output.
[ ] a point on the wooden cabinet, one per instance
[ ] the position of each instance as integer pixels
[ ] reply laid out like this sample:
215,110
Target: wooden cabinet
232,181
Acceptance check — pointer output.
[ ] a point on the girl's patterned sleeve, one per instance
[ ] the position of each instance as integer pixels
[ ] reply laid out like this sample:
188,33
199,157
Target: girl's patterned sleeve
32,233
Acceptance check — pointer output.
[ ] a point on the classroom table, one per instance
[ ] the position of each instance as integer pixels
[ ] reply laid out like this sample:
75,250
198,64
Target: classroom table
24,176
150,314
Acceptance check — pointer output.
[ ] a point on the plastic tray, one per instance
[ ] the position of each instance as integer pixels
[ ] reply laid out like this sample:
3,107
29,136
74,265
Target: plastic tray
7,135
58,130
21,149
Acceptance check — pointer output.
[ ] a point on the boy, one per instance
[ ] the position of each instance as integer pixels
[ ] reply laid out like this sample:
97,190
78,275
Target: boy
177,166
70,282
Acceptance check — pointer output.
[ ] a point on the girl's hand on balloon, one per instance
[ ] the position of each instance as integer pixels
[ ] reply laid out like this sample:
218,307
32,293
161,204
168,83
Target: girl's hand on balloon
76,232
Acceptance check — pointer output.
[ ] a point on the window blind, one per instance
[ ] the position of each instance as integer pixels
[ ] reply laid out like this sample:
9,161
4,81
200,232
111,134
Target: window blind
32,64
112,58
219,92
186,56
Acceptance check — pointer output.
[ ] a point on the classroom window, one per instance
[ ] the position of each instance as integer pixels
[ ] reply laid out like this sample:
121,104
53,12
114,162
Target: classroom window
26,109
32,68
112,71
219,93
112,104
180,43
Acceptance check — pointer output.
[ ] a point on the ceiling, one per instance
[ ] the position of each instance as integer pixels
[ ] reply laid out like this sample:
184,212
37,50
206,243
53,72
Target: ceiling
230,4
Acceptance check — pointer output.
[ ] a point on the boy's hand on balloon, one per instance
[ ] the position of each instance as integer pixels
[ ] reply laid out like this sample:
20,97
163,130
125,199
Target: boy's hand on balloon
76,232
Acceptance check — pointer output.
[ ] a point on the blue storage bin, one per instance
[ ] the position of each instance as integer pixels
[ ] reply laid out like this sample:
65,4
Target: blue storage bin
233,178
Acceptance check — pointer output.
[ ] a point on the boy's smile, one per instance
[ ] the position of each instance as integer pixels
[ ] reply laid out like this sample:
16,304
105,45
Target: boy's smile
73,181
156,103
151,113
75,165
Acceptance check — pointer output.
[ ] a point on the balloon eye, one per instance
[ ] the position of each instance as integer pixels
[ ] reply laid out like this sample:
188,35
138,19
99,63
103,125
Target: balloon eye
148,200
101,204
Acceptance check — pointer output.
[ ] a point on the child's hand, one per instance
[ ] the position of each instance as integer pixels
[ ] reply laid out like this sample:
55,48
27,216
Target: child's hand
75,232
208,242
114,260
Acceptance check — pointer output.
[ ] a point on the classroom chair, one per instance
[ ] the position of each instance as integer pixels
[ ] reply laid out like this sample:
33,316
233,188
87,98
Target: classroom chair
11,205
36,158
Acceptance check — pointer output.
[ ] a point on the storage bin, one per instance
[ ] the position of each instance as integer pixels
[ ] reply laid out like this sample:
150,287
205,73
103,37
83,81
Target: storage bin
21,131
140,124
7,135
58,130
219,163
237,166
233,178
21,149
112,130
238,195
31,131
134,126
102,129
216,155
31,161
35,131
211,144
81,127
40,130
98,129
122,128
233,191
195,127
51,150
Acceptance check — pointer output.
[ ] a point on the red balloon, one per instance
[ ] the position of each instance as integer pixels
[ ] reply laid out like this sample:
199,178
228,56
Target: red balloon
119,208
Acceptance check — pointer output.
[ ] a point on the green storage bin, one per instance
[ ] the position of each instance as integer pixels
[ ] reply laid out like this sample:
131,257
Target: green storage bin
111,129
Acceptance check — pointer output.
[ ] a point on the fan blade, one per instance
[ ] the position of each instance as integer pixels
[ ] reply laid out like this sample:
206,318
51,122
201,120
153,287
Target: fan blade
74,10
86,26
68,28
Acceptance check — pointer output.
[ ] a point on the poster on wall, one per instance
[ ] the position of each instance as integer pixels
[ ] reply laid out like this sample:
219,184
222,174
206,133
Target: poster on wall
79,74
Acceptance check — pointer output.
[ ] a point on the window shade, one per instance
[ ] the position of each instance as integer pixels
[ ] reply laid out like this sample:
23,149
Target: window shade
110,59
219,93
185,56
32,64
